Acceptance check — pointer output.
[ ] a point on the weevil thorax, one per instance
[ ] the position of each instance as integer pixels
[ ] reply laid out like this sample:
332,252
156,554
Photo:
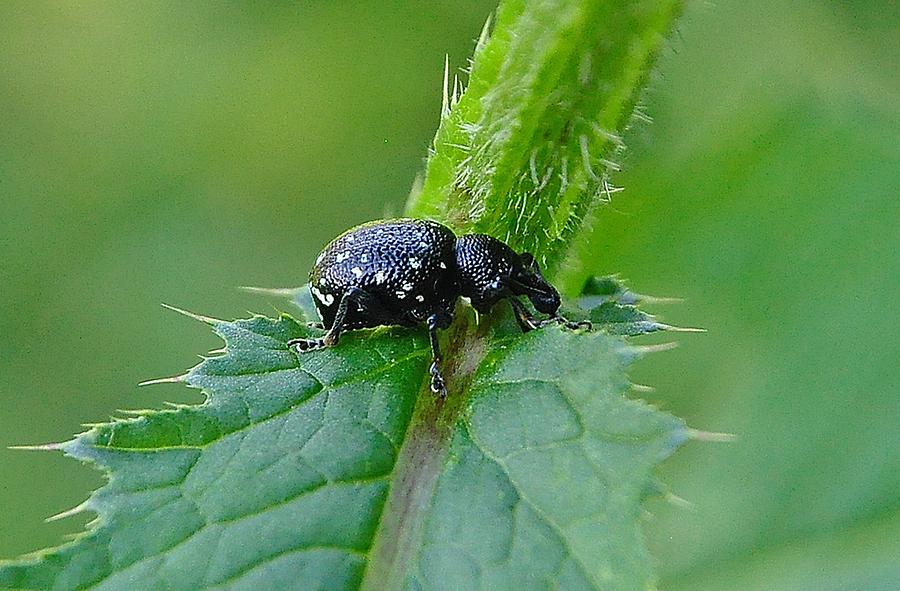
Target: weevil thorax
489,271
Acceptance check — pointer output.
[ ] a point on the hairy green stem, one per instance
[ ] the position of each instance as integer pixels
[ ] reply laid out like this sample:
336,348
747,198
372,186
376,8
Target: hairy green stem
525,152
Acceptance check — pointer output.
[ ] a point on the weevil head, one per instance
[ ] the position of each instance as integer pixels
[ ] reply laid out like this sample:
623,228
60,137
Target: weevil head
490,271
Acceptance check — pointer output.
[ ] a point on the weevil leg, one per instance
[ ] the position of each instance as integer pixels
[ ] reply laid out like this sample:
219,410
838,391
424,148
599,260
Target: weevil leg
496,290
437,380
523,316
571,325
351,296
306,345
577,324
528,322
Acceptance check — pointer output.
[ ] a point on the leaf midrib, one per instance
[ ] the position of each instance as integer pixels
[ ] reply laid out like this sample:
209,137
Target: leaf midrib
425,444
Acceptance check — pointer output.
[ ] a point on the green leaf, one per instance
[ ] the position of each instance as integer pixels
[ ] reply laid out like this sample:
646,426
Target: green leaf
340,466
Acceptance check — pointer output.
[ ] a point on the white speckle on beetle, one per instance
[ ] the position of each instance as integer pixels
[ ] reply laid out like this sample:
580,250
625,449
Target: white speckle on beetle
414,262
320,257
400,294
364,258
407,286
322,281
325,298
350,238
379,277
357,272
423,244
420,298
342,256
442,265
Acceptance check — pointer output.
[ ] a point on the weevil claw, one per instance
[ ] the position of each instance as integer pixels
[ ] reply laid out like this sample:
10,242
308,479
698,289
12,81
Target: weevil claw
437,381
306,345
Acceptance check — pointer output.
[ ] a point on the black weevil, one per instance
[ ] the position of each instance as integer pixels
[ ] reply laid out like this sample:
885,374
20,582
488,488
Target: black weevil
406,272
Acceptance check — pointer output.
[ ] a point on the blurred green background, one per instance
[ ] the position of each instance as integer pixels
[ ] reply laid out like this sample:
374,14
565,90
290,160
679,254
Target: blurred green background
169,152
